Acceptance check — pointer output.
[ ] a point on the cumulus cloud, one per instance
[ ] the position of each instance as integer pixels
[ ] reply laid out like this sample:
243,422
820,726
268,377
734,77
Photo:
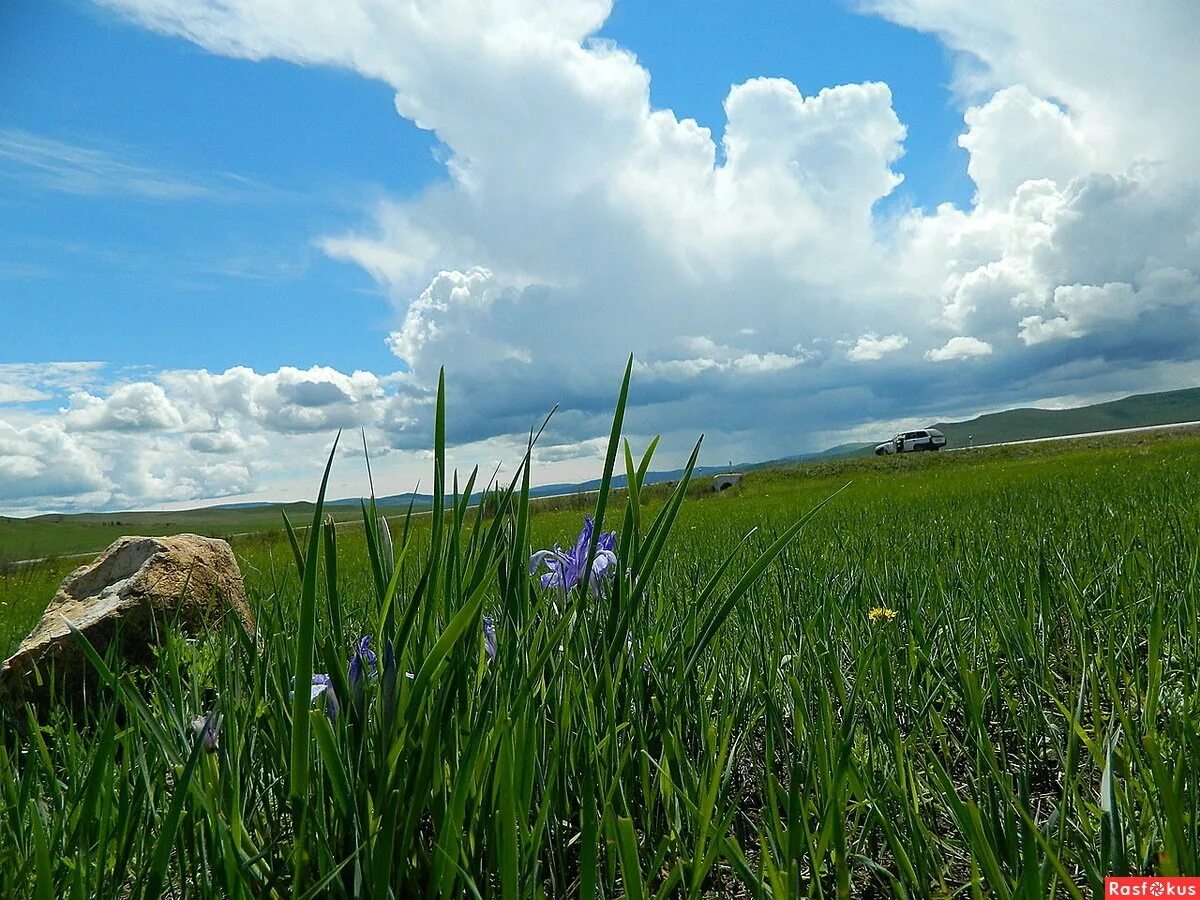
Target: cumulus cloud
448,311
871,347
577,223
960,347
188,435
223,442
1123,73
131,407
287,401
1016,137
1110,258
1077,309
43,463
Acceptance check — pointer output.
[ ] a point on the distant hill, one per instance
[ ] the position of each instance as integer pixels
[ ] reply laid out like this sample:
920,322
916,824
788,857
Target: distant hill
853,449
1137,411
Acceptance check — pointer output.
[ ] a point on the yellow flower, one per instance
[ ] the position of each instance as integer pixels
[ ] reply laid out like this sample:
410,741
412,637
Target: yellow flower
881,614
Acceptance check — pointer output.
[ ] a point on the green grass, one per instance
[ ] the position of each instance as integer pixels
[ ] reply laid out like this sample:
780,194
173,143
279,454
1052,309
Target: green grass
56,535
1025,725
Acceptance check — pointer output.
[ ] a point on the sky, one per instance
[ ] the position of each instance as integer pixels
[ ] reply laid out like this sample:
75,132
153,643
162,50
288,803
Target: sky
229,228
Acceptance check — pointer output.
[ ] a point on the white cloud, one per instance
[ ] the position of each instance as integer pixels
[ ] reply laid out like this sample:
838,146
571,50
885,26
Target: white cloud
446,312
44,463
593,448
19,393
190,435
1109,261
708,356
287,401
223,442
960,347
1124,73
872,347
1016,137
1078,309
131,407
766,362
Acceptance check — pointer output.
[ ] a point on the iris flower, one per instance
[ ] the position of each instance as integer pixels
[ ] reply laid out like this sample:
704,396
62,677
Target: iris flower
363,667
363,662
489,637
566,569
208,730
322,686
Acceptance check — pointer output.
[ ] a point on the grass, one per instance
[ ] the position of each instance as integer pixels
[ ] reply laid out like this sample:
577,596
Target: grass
729,721
56,535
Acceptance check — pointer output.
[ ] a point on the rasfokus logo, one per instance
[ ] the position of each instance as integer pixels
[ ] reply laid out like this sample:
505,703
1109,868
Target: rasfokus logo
1144,886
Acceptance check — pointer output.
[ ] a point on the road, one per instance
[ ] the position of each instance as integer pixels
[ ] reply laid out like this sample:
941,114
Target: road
1089,434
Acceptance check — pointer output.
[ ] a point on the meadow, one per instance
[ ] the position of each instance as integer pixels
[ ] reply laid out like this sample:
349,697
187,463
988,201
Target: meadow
84,534
965,674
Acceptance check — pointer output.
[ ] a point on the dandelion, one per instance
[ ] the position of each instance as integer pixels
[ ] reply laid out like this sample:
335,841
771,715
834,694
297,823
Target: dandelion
489,637
363,662
566,569
881,614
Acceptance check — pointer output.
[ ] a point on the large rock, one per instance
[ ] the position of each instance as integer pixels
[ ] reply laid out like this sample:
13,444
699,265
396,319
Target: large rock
137,587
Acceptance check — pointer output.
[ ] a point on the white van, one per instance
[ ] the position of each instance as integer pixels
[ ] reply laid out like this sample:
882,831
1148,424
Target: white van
908,441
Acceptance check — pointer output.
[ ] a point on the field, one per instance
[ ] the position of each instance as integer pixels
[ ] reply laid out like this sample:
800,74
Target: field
51,536
968,674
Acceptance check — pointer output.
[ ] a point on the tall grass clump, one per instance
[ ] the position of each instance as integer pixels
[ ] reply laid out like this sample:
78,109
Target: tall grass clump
995,697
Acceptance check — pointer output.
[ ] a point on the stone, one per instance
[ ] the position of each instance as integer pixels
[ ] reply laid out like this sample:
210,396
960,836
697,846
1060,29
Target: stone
135,588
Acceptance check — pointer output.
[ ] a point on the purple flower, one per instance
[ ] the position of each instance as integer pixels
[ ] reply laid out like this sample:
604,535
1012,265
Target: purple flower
567,569
363,662
208,730
489,637
322,686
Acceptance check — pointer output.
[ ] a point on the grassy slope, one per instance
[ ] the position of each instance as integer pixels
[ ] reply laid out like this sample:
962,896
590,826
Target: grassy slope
1164,408
56,535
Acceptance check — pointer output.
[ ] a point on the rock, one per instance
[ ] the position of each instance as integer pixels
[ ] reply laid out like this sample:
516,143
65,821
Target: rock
138,586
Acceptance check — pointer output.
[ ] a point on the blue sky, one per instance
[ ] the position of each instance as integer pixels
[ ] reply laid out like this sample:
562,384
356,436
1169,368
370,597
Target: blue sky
280,152
900,211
